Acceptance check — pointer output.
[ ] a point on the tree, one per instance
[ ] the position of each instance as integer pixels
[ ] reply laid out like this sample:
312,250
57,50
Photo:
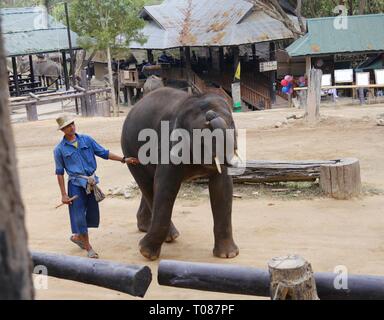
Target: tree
15,263
102,24
275,10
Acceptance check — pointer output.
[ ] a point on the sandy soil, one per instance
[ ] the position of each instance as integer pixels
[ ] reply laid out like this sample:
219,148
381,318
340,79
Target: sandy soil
327,232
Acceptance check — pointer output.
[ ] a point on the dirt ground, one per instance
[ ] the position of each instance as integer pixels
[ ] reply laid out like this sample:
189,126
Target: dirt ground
326,232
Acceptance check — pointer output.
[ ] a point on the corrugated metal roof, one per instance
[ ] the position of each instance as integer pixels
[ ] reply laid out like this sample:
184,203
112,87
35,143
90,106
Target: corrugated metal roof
25,32
363,34
178,23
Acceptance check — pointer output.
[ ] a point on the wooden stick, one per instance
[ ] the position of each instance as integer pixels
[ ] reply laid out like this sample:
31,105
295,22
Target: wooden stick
71,199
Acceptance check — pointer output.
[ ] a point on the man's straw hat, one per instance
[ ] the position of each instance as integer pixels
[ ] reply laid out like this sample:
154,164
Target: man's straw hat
64,120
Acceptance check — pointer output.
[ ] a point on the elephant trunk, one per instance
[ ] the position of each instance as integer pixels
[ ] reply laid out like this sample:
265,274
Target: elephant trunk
218,123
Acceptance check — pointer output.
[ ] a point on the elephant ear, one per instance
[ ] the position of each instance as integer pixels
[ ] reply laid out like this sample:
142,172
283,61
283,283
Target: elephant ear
215,121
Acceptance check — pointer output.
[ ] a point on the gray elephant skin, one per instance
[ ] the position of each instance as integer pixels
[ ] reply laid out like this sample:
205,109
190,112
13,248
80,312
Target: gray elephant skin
160,183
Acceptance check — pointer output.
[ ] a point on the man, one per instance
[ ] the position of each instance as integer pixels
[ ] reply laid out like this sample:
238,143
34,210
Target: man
75,154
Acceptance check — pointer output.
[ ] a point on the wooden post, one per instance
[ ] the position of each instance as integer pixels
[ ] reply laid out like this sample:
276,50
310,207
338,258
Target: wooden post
308,67
341,180
32,112
32,73
236,54
312,112
131,95
272,57
15,76
65,70
103,108
150,56
92,105
187,53
291,279
86,108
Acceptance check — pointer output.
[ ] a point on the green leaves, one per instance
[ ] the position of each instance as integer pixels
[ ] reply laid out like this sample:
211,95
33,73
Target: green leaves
110,23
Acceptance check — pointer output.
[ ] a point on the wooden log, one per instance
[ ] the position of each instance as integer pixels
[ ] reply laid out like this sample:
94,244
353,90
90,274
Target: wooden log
256,282
341,180
291,279
131,279
32,112
264,171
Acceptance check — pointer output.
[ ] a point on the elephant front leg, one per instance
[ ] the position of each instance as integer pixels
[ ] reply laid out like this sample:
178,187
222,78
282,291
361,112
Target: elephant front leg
221,193
144,217
166,187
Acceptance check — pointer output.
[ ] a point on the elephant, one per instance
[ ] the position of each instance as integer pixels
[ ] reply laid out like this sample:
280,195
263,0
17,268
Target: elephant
152,83
160,182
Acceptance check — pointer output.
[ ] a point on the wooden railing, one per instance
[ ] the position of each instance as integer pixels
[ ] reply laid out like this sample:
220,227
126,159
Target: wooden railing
255,98
200,86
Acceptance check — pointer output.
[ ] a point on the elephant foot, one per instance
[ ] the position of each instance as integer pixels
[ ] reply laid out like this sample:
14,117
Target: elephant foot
226,249
173,234
150,252
143,227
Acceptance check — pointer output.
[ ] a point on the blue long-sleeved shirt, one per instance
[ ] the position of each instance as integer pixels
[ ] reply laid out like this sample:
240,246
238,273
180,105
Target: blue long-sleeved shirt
78,161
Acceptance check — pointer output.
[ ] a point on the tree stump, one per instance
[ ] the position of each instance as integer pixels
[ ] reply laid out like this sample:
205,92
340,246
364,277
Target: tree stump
291,279
341,180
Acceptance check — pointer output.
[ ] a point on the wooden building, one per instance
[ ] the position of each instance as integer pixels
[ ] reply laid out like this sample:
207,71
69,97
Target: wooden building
211,37
31,33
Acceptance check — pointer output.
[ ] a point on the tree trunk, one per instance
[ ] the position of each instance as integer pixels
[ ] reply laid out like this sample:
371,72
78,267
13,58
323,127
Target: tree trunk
15,262
362,6
111,82
299,16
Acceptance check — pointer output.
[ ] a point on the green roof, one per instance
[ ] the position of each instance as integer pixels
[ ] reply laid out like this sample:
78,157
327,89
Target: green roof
362,34
25,32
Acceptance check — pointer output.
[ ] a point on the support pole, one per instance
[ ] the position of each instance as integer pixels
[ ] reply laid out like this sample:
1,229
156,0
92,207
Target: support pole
65,70
71,52
236,57
15,76
150,56
272,57
130,279
32,73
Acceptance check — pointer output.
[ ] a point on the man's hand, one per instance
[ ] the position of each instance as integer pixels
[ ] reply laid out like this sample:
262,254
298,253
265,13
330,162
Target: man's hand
66,200
132,161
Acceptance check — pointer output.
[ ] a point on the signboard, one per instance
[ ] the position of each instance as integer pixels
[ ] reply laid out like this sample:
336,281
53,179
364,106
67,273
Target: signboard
362,78
344,76
236,96
268,66
326,80
379,74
